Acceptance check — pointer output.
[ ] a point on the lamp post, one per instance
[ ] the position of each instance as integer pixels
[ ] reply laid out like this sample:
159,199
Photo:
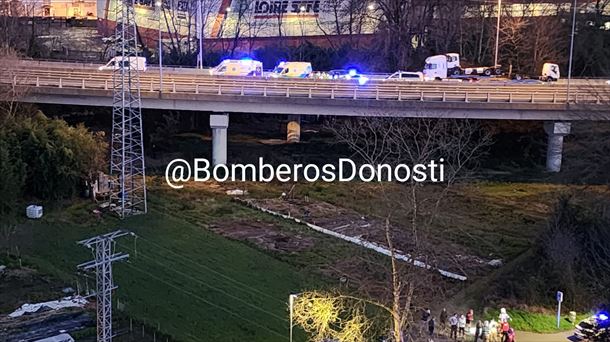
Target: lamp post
498,33
158,4
200,34
302,10
571,51
291,299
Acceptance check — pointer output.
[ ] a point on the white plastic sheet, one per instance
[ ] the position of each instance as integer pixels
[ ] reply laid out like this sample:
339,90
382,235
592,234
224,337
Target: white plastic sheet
67,302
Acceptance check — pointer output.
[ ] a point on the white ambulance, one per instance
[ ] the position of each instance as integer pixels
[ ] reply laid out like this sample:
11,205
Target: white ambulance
292,70
238,67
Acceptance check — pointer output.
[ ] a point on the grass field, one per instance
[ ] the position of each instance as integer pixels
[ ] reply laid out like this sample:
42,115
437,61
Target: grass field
490,219
537,322
197,285
193,284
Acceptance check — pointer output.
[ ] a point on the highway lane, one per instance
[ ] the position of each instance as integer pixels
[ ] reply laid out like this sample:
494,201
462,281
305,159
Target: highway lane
73,83
200,76
148,76
426,91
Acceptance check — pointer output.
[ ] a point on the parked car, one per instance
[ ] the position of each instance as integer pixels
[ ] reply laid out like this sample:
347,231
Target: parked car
132,63
406,76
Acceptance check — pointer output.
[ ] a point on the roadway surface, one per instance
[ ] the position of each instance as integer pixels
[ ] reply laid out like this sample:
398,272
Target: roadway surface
193,89
533,337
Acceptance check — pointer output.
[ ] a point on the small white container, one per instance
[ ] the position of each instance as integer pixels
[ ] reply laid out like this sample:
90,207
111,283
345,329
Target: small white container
33,211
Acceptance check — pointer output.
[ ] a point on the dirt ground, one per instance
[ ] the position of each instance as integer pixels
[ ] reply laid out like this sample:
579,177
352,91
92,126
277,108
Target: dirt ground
264,235
533,337
26,285
354,224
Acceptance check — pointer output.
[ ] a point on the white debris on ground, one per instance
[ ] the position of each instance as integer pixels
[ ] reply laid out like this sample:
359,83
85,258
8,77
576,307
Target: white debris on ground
67,302
237,192
495,263
2,268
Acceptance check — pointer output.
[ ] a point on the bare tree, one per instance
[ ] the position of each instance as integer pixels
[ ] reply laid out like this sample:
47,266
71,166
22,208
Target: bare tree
12,85
477,34
18,24
410,213
527,41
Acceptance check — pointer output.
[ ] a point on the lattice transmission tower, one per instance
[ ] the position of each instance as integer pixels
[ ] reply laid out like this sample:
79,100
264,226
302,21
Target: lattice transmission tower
103,247
128,196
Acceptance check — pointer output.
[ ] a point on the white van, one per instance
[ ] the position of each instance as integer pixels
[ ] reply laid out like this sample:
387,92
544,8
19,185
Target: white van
292,70
238,67
133,63
406,76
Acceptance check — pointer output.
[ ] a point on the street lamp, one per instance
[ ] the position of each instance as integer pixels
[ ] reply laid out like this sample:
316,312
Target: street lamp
291,299
200,35
301,13
571,51
498,32
158,4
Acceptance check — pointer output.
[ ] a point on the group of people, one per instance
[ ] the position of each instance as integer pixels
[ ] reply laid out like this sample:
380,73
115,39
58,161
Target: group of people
461,325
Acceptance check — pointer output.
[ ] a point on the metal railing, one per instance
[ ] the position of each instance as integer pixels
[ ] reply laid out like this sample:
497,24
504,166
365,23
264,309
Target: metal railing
313,89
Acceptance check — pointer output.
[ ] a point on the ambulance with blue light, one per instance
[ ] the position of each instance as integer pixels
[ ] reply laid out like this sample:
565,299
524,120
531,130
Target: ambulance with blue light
238,67
292,70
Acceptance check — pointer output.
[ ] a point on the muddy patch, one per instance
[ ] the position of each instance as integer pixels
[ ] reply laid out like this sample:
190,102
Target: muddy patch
264,235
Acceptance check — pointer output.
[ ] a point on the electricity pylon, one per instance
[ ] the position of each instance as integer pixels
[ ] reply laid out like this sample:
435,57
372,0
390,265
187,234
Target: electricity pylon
103,251
128,196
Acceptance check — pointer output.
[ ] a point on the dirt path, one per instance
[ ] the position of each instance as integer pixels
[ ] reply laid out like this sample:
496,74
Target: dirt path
533,337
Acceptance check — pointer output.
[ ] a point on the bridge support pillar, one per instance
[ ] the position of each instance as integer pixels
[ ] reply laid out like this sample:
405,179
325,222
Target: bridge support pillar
219,124
556,131
293,130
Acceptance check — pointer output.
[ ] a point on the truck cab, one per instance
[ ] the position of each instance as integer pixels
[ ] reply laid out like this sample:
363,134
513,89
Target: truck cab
453,64
435,68
550,72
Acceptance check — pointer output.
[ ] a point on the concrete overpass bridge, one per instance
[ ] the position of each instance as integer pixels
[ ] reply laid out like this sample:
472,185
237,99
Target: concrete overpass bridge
194,90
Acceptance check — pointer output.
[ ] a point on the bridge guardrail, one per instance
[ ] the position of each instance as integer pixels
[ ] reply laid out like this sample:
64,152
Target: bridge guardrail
317,90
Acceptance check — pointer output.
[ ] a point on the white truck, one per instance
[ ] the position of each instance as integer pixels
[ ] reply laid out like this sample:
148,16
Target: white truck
440,67
550,72
238,67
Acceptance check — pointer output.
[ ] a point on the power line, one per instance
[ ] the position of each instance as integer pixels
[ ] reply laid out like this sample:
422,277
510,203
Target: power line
206,301
211,270
213,287
103,251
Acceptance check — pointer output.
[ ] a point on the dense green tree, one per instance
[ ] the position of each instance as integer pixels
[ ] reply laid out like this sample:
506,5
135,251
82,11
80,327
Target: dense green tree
47,158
